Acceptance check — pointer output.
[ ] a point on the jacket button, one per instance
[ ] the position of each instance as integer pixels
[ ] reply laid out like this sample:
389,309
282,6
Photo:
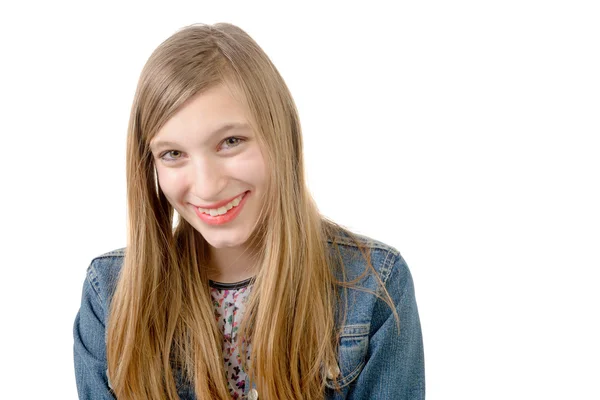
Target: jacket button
253,395
333,372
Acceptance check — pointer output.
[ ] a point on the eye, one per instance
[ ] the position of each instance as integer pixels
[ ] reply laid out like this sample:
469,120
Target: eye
175,155
233,141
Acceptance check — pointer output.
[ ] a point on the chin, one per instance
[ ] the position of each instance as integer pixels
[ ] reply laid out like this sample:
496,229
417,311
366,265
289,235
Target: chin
223,240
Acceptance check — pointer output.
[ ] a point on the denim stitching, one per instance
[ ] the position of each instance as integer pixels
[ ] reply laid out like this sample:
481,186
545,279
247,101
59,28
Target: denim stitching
373,244
386,267
351,331
114,253
348,379
355,330
92,277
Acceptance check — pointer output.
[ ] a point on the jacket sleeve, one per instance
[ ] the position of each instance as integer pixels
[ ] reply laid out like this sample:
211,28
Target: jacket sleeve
395,367
90,345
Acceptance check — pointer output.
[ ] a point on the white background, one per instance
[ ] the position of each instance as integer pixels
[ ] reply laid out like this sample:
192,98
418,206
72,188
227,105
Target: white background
464,133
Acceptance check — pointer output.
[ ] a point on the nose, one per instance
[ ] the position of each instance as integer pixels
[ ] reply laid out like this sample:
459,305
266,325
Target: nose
208,180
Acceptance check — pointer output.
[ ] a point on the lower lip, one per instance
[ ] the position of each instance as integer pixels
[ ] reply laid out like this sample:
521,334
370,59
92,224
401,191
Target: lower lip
222,219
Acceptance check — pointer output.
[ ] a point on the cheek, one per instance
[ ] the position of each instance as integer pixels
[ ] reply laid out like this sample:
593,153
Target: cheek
171,183
252,168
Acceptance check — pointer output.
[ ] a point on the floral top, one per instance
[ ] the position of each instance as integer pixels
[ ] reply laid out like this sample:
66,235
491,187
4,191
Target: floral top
229,302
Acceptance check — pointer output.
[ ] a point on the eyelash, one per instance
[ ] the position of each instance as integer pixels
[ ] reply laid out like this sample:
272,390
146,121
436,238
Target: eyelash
162,156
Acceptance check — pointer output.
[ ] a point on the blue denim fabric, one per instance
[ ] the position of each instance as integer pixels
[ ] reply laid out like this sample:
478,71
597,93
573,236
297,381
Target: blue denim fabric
376,361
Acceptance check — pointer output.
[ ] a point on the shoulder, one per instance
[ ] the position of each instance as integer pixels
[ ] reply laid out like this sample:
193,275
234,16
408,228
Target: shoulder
362,308
103,274
356,250
368,271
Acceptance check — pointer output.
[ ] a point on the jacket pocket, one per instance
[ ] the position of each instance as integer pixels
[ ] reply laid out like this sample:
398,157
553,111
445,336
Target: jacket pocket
352,352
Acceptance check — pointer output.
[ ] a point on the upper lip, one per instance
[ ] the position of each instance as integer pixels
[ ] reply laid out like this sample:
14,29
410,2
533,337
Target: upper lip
221,203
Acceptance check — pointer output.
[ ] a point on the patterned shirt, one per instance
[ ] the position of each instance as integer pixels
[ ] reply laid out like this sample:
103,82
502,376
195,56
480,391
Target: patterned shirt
229,302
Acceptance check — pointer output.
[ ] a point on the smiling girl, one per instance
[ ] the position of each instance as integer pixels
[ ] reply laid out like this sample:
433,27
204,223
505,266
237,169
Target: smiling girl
250,292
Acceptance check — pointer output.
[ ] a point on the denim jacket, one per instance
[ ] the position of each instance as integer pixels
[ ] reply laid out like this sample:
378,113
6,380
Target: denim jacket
375,360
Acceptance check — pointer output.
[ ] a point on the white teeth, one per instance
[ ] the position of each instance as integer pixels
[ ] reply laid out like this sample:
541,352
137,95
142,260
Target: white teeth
222,210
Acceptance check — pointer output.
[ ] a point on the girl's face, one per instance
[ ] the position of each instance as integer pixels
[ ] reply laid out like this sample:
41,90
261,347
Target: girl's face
207,156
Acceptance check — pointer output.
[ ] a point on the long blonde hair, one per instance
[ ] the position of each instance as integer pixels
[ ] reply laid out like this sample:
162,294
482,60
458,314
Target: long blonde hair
161,320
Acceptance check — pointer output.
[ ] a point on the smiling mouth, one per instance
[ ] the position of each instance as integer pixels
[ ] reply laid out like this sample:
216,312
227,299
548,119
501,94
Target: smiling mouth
214,212
222,215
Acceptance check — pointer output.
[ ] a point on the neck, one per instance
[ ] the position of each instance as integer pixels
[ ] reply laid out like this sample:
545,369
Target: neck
230,265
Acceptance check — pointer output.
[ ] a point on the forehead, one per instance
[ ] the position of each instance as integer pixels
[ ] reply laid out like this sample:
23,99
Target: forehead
205,113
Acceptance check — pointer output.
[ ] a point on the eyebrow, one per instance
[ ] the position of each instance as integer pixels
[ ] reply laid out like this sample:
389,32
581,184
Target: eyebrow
233,125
